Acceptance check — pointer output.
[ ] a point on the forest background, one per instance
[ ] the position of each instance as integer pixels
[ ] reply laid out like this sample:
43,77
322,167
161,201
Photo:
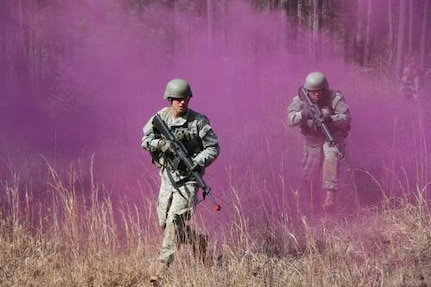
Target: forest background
79,79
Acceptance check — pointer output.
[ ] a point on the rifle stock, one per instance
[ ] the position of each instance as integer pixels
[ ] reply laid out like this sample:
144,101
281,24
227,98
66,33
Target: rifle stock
183,156
317,117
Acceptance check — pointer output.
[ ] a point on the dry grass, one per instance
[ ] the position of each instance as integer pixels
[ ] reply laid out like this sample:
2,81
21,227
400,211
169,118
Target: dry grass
69,239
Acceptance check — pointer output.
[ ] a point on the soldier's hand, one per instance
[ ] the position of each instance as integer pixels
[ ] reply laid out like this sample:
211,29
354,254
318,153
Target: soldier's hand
326,119
196,167
163,145
311,124
326,116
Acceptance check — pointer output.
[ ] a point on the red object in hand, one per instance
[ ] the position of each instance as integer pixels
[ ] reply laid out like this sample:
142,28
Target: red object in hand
216,207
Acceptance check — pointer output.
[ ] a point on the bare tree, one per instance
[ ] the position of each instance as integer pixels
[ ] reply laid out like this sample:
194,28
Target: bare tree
358,43
391,31
210,24
410,28
300,14
423,36
401,37
367,42
316,18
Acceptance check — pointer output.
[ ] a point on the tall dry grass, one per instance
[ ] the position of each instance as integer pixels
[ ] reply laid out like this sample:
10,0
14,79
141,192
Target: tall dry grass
76,236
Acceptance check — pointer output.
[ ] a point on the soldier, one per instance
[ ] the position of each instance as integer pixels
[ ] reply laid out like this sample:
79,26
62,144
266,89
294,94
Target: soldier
320,160
178,191
410,78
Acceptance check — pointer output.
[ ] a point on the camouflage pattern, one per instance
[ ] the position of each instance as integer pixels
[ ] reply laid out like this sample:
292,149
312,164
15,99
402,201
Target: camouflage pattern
320,160
178,192
410,82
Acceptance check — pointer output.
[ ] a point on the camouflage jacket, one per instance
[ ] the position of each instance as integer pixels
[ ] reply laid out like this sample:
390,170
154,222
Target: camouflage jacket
338,109
192,129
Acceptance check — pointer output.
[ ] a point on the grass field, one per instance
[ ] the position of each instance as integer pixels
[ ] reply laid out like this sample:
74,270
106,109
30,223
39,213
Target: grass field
78,234
71,240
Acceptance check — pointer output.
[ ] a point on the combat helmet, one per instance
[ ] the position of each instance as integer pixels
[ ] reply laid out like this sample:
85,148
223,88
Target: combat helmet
316,81
177,89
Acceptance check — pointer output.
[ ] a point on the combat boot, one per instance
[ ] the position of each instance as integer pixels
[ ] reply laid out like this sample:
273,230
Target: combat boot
329,204
161,270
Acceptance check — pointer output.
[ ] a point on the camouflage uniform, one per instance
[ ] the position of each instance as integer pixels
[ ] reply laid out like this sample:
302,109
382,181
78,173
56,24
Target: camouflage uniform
177,196
320,160
410,82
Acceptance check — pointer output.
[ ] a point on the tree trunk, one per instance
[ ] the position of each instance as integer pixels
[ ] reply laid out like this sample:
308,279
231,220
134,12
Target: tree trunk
423,36
368,32
401,37
22,48
209,25
316,18
410,31
5,73
284,24
358,45
391,32
300,16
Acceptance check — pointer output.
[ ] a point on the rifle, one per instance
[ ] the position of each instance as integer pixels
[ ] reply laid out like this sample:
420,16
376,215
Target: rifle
318,118
182,156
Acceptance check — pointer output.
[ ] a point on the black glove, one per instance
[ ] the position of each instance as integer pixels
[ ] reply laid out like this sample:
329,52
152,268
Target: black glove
326,119
196,167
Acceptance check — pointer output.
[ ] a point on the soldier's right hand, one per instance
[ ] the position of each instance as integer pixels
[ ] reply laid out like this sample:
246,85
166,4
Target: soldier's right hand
161,144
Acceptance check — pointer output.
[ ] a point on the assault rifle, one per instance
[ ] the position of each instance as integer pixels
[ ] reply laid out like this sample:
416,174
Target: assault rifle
182,156
318,119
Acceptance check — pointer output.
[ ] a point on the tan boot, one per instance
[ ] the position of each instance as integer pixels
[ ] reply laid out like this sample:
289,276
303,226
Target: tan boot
329,204
162,268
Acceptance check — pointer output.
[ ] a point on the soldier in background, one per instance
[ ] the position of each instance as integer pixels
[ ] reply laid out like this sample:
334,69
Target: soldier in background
320,159
177,195
409,85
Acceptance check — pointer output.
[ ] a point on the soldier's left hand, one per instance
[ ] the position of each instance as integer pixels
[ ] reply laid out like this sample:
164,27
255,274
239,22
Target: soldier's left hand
326,119
196,167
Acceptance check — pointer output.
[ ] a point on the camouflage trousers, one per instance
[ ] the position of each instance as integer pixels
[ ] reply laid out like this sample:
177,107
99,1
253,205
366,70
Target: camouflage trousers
175,206
320,163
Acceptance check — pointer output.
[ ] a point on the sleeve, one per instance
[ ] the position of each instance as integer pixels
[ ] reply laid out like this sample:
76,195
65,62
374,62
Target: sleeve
342,117
294,116
210,144
150,139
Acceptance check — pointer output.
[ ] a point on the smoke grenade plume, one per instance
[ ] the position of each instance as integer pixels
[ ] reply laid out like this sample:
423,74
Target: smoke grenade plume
95,72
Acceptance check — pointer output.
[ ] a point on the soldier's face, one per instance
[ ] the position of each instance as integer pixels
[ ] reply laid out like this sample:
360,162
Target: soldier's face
179,106
317,95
